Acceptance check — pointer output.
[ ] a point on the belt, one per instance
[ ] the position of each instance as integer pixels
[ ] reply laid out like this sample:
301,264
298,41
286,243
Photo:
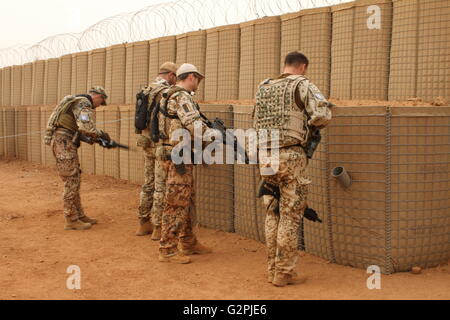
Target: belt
65,132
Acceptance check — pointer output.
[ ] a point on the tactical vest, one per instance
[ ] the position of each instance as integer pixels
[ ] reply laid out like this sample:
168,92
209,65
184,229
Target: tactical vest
164,119
276,111
62,117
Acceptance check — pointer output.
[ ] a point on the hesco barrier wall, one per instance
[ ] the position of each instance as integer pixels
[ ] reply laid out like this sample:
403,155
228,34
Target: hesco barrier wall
96,68
1,87
115,74
420,39
16,85
249,216
395,214
191,48
222,63
27,84
20,127
260,54
35,132
136,69
79,73
37,91
361,49
6,87
214,185
51,81
161,50
309,32
64,76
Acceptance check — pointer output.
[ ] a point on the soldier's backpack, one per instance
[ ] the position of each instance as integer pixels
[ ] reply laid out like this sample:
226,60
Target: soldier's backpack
142,114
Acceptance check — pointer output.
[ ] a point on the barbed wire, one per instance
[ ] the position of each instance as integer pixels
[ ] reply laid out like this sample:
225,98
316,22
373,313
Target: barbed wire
160,20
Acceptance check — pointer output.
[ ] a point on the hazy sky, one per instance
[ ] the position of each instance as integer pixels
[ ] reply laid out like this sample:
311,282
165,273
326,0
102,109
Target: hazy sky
30,21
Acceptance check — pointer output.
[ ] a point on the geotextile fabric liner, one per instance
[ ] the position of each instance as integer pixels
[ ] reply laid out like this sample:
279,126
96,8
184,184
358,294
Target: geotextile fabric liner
64,76
135,154
137,56
112,156
2,134
97,156
21,133
79,73
249,215
260,54
420,43
191,48
420,187
9,132
96,68
51,81
115,74
360,55
6,87
16,85
161,50
37,95
34,134
214,202
222,63
309,32
124,114
48,159
27,84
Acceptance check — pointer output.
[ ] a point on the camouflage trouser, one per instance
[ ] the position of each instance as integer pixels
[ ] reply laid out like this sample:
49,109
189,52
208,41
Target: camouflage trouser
148,188
161,170
282,231
68,167
177,214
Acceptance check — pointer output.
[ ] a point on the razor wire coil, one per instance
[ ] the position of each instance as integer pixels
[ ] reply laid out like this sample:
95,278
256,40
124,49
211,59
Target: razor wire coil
155,21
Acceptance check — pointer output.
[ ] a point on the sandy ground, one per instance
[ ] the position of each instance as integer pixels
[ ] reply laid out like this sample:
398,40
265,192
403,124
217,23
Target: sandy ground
35,253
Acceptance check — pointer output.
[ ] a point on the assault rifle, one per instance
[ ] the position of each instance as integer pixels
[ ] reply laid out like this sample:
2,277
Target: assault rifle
111,144
219,125
268,189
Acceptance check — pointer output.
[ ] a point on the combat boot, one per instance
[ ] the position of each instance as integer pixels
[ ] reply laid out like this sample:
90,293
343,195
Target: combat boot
145,227
177,258
76,225
156,236
282,280
198,248
86,219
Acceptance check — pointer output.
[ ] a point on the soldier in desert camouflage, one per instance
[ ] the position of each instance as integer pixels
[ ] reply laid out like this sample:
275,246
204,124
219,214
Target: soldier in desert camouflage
155,171
180,112
289,105
73,115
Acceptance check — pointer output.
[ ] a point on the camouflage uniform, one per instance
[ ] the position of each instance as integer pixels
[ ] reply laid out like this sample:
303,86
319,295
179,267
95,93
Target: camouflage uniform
78,117
179,198
150,202
281,105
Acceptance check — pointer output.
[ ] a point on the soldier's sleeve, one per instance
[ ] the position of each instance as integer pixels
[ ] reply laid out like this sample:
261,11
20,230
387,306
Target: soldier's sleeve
85,120
187,112
315,104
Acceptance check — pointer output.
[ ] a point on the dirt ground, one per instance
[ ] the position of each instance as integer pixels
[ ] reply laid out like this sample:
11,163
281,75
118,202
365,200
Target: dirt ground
35,253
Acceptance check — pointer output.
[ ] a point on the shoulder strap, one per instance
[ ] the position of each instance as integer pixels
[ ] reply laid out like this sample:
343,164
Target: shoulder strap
167,95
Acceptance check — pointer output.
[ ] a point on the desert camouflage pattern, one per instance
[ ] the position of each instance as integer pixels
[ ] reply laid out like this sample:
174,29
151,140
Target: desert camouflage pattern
148,188
162,165
179,196
84,116
280,106
68,167
177,214
282,234
183,105
145,209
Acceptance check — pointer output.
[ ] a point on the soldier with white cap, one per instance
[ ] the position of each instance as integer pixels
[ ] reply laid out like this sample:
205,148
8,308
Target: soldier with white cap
180,112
